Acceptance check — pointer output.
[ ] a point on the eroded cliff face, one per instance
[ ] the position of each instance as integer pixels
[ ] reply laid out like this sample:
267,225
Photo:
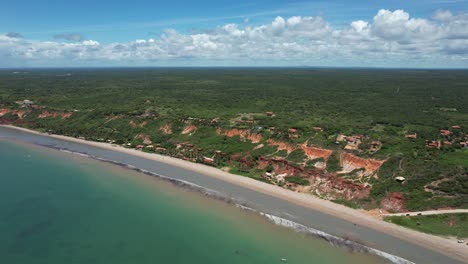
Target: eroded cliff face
350,162
166,129
4,111
326,185
189,129
282,166
135,124
316,153
46,114
19,113
243,134
146,138
331,187
394,202
255,138
281,145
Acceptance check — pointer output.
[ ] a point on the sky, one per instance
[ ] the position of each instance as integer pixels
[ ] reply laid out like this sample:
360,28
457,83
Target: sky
340,33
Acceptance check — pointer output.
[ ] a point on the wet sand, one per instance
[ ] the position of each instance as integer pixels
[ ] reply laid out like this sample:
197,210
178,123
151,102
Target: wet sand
300,208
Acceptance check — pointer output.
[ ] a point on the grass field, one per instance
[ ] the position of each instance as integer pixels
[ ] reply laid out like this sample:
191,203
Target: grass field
455,225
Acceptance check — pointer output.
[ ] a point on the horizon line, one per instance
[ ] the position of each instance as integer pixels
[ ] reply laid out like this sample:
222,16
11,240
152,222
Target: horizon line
231,67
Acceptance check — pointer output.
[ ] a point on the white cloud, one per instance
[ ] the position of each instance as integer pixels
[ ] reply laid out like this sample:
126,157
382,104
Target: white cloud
90,43
391,37
398,26
359,25
442,15
278,23
292,21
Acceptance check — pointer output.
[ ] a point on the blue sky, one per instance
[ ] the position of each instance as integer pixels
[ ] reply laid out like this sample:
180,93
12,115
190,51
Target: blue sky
111,21
124,22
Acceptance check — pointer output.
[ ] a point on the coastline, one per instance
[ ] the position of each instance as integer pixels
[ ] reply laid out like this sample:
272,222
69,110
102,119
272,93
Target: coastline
434,243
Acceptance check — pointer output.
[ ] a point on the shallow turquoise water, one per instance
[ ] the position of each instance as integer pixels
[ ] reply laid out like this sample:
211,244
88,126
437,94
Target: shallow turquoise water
61,208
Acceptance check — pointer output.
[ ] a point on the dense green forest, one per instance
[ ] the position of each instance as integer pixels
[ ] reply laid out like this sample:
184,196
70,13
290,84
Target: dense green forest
211,115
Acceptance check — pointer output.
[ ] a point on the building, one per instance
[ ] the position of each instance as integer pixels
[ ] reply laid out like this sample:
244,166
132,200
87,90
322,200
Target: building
26,103
207,160
352,142
434,144
445,132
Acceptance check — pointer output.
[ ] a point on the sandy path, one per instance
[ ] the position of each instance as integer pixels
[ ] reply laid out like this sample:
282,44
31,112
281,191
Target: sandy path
444,246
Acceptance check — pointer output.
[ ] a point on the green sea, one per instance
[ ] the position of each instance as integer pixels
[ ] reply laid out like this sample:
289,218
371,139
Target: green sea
59,207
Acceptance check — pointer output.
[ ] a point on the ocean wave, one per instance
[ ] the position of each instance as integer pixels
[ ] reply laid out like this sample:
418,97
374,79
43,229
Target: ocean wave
333,240
76,153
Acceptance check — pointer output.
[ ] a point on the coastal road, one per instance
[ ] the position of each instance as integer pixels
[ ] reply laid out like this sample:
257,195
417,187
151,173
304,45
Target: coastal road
432,212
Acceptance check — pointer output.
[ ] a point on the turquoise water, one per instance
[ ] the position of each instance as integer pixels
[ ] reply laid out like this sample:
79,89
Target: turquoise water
62,208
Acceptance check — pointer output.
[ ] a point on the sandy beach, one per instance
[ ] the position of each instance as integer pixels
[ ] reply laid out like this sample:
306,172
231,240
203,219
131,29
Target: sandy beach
447,247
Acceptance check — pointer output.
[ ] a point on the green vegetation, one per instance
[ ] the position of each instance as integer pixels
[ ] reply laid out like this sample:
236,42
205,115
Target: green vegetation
347,203
333,163
458,157
297,180
297,156
445,224
118,105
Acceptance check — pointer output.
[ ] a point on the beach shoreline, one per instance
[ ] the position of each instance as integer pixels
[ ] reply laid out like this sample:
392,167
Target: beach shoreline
437,244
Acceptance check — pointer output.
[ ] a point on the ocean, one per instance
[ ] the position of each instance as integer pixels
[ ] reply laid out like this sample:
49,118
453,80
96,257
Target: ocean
58,207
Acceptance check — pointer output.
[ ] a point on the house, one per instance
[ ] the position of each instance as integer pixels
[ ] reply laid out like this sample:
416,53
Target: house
26,103
400,179
149,147
456,127
270,114
445,132
219,153
353,142
353,139
319,129
411,136
340,138
447,143
358,136
160,149
292,130
140,146
207,160
434,144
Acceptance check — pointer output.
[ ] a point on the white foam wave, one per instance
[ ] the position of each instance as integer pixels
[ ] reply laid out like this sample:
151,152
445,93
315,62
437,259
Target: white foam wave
334,239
